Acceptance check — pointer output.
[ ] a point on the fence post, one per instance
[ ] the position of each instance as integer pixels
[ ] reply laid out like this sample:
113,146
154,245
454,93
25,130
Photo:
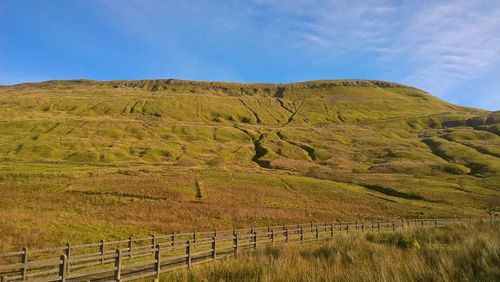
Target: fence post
301,234
62,268
173,240
118,265
254,239
157,262
393,226
194,237
153,241
188,253
436,222
214,248
356,224
347,228
317,233
286,234
378,226
272,236
24,260
102,249
268,232
68,255
362,227
130,240
331,230
235,241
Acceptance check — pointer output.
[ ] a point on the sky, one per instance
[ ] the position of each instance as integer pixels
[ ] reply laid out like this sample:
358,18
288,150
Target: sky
450,49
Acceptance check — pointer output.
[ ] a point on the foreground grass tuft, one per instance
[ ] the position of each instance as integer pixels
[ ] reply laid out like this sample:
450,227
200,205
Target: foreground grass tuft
398,239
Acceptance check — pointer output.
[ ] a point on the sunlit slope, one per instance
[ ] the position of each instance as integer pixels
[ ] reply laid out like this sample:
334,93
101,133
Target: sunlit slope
85,160
345,125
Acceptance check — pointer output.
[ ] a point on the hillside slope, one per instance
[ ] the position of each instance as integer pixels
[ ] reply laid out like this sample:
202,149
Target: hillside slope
79,159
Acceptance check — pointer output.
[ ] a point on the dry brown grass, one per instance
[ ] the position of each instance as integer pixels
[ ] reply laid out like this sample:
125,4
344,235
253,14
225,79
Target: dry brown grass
453,253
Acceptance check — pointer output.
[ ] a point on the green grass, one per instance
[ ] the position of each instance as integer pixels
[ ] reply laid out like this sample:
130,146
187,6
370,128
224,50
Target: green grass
127,154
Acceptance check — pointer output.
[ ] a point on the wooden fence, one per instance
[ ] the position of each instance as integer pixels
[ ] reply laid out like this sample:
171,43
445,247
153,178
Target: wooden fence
136,258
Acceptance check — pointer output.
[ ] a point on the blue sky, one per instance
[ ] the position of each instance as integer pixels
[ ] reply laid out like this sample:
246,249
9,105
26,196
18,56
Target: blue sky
448,48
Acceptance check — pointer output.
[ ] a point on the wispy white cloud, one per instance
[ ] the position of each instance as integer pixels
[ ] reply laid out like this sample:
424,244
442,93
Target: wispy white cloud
449,42
336,26
438,44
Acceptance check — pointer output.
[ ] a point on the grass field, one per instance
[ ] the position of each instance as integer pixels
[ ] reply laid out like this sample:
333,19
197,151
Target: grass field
451,253
84,160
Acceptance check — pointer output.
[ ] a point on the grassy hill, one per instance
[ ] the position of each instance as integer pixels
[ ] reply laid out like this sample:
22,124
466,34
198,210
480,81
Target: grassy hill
83,160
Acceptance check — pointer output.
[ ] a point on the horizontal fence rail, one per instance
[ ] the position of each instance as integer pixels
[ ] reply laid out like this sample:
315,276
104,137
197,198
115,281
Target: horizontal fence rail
136,258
